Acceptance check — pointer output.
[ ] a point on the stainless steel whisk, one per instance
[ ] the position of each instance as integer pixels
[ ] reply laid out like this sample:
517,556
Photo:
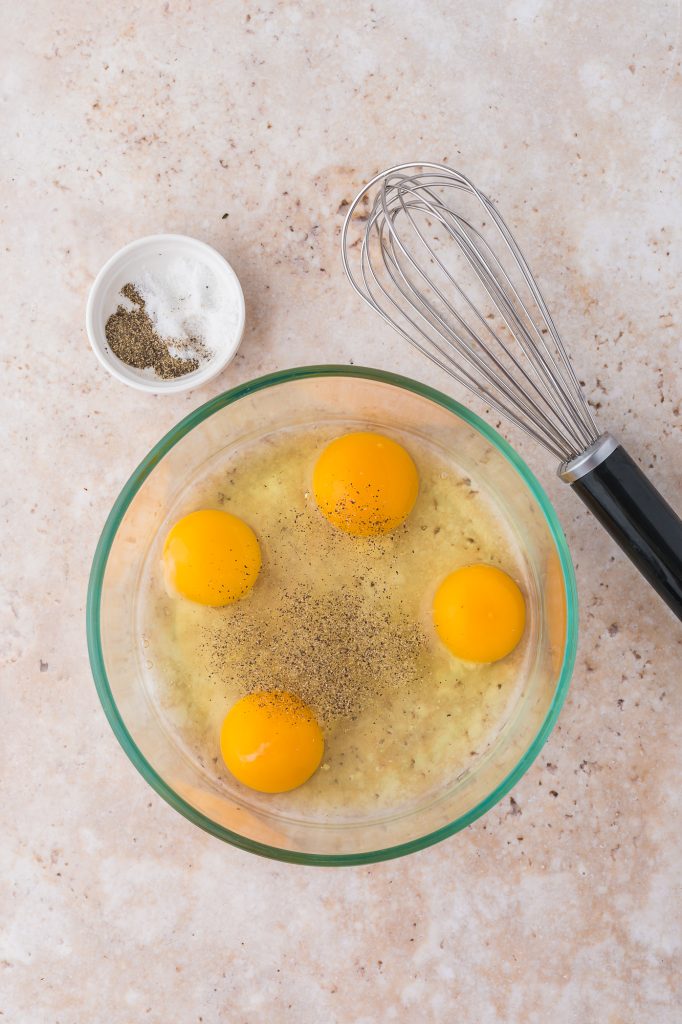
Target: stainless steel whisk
438,263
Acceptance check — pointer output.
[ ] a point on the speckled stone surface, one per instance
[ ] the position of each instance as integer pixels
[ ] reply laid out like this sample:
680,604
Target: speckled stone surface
249,126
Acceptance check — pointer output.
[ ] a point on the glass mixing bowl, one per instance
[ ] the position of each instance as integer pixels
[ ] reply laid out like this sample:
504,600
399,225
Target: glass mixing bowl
308,396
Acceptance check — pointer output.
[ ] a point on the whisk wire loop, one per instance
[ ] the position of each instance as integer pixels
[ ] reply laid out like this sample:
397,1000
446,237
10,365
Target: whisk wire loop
460,231
464,296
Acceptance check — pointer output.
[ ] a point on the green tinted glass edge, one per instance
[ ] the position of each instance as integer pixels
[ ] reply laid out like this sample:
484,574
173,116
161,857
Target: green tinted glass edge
95,591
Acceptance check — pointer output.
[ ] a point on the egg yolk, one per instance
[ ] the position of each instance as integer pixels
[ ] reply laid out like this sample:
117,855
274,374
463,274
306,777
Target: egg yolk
211,557
366,484
271,742
479,613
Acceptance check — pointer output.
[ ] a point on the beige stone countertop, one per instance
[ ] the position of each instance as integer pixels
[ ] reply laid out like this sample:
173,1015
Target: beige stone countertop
249,125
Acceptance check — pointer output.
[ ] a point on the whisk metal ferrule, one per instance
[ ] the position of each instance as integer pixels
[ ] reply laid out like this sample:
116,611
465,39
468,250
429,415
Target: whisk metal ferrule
591,458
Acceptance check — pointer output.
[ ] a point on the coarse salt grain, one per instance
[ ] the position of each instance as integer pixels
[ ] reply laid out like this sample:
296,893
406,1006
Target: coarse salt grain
186,301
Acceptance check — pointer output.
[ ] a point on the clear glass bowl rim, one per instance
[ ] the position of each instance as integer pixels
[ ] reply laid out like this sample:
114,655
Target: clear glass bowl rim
125,498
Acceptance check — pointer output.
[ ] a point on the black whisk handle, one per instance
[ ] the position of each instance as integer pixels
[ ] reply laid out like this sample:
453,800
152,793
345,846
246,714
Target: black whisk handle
638,518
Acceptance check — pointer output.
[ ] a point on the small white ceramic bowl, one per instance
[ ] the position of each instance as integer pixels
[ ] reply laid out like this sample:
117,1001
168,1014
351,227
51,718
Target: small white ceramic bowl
153,254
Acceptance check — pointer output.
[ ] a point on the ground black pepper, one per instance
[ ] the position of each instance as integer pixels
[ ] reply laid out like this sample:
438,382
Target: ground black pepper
337,650
131,336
